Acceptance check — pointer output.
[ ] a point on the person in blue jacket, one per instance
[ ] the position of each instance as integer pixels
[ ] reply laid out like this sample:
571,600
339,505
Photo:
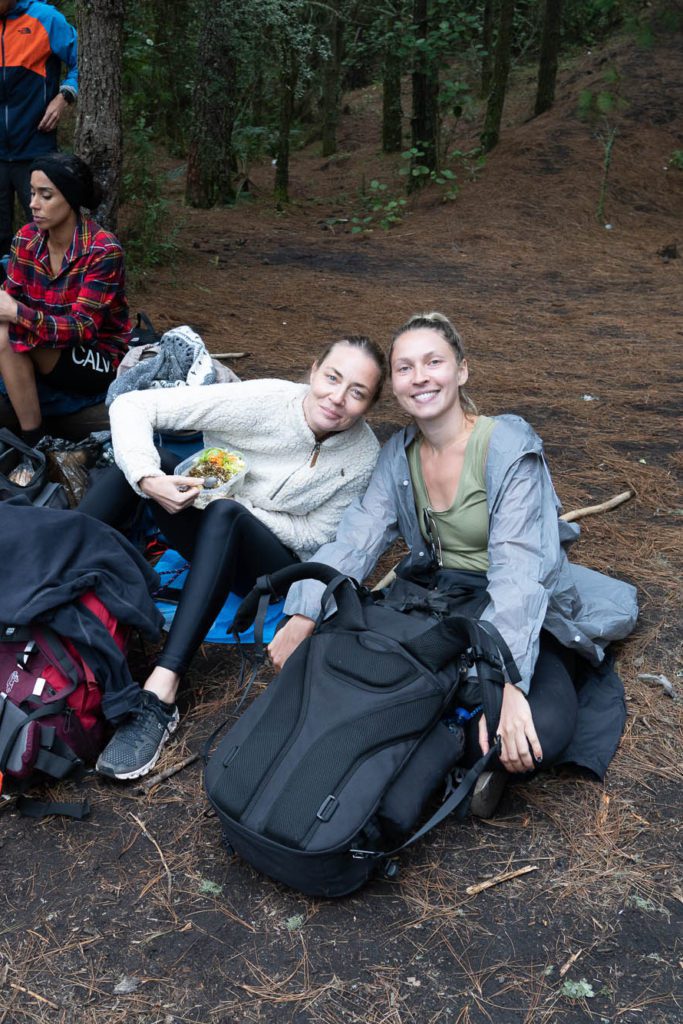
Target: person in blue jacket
36,40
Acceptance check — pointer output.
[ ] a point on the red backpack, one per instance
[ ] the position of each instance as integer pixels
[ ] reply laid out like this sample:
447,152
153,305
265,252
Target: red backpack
50,701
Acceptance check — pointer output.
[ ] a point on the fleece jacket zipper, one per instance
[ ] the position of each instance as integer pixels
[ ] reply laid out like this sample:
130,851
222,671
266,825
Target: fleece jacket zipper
311,463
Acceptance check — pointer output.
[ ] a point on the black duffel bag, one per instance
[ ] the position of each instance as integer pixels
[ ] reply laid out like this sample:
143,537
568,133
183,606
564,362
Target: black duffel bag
24,473
23,470
326,776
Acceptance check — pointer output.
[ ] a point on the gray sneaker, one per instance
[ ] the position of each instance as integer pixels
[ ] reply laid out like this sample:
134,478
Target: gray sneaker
135,747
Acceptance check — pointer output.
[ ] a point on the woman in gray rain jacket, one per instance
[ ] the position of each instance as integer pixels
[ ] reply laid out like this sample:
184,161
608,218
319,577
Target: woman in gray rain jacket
473,494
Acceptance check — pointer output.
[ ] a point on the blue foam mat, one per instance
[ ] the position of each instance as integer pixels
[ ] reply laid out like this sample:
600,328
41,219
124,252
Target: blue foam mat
172,569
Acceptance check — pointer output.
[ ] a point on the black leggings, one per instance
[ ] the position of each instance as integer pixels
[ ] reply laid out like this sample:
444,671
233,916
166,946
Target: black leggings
552,699
227,548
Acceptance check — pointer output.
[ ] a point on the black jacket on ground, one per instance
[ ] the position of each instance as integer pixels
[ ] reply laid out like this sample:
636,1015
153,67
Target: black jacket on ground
49,558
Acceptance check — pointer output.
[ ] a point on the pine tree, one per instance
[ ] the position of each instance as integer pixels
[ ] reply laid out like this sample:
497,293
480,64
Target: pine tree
425,83
99,135
550,49
501,70
210,162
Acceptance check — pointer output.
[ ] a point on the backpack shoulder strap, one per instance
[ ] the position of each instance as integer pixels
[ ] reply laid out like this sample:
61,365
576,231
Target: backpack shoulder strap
457,635
277,584
54,650
454,635
30,808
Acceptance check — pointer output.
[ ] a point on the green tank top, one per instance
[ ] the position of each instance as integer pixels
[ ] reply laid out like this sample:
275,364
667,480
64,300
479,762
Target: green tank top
462,531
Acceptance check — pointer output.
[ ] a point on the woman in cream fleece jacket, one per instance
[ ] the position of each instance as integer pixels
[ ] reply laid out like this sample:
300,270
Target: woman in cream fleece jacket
309,452
296,485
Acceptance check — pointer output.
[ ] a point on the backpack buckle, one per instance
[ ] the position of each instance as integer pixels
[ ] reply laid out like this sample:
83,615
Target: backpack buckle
480,654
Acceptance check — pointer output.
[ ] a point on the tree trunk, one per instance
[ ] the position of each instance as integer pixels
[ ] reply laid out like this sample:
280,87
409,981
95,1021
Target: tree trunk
550,49
210,160
487,44
258,99
288,79
170,34
99,135
392,112
358,74
331,91
501,70
425,120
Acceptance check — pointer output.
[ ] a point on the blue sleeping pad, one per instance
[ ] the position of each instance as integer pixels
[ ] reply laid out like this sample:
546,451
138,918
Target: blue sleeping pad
172,569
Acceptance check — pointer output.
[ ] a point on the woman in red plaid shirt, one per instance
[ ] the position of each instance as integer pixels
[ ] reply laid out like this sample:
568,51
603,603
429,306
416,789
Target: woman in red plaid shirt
64,319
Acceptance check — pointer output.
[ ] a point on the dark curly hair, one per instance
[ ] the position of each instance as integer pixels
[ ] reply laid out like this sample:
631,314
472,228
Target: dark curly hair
73,177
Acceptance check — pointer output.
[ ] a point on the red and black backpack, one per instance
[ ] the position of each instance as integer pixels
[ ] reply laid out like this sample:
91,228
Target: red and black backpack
51,723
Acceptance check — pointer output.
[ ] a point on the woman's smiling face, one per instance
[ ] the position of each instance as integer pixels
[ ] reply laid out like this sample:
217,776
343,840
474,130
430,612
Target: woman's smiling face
343,387
425,373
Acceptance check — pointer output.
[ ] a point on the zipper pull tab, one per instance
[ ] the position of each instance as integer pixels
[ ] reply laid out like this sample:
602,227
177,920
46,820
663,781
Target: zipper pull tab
314,454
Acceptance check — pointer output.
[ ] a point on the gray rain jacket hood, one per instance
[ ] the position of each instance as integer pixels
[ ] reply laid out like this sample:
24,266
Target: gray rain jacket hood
531,583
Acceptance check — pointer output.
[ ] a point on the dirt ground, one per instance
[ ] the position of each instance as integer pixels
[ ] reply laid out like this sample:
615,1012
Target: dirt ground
138,915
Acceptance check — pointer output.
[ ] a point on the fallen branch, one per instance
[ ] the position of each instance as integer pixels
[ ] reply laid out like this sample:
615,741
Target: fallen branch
601,818
604,506
572,959
34,995
167,774
154,843
472,890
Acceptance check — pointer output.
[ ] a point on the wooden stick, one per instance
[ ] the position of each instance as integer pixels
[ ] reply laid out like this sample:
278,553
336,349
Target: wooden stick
154,843
572,959
162,776
472,890
604,506
229,355
41,999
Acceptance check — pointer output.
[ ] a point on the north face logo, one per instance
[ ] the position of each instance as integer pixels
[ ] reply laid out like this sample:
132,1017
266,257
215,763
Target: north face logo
11,682
24,31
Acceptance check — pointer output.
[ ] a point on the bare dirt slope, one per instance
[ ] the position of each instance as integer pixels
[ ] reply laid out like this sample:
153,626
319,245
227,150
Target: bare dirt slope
137,915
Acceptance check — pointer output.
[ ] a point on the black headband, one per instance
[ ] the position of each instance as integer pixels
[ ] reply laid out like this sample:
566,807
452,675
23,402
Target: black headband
77,192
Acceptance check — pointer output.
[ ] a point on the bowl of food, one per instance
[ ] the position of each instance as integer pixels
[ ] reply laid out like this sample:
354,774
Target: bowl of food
219,470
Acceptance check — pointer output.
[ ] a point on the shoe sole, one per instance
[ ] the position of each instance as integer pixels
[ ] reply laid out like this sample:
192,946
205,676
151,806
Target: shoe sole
137,773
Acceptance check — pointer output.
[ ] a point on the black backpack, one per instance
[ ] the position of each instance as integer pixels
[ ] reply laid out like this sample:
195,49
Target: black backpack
17,457
321,782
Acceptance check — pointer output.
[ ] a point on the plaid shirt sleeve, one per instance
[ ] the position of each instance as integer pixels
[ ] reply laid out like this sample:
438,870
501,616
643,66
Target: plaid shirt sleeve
97,293
13,283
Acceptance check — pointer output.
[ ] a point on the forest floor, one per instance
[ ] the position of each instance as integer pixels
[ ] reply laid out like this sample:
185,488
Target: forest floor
137,915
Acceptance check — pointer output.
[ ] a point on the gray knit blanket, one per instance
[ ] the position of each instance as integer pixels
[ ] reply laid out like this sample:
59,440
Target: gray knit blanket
183,360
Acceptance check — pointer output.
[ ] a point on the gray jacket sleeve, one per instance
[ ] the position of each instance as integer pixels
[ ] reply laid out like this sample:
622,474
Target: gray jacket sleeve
524,559
367,528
